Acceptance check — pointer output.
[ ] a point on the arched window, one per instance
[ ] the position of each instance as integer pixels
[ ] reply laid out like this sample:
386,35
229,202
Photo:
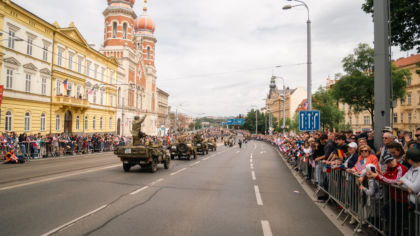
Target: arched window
100,123
110,123
8,122
77,122
148,52
124,30
86,123
114,29
57,122
43,122
27,126
94,123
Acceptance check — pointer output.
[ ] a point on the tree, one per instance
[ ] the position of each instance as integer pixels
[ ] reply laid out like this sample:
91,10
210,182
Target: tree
356,87
331,115
405,22
250,121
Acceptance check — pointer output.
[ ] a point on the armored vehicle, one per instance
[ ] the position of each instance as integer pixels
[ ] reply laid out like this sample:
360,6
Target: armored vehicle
142,152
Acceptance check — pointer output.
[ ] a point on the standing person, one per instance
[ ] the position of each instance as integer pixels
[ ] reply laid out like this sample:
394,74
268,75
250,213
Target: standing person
394,172
417,144
351,156
319,155
412,178
387,139
397,151
365,157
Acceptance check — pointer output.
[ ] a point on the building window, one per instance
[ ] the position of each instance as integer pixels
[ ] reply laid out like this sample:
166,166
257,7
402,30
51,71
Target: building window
395,117
95,72
94,97
88,68
60,57
86,123
77,122
409,98
148,52
28,83
44,86
408,81
112,100
79,92
418,95
57,122
70,67
103,74
366,120
43,122
69,89
45,53
114,30
29,47
87,93
110,123
357,120
58,87
119,96
409,117
11,43
8,122
124,30
100,123
9,78
94,123
102,98
402,118
79,64
351,120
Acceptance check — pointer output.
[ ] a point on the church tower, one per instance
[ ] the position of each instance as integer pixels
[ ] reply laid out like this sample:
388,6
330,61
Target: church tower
119,23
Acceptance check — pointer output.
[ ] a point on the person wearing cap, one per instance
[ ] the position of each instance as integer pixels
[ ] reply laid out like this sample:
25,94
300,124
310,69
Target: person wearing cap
393,173
351,156
412,178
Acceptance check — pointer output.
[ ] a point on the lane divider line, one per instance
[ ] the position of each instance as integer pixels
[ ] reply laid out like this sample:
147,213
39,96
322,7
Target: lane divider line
139,190
258,195
253,175
155,182
266,228
179,171
57,177
205,159
73,221
196,163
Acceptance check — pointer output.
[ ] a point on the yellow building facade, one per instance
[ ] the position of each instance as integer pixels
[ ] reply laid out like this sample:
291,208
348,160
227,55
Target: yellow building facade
54,82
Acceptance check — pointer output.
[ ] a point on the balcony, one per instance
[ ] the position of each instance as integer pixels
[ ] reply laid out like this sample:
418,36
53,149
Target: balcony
70,102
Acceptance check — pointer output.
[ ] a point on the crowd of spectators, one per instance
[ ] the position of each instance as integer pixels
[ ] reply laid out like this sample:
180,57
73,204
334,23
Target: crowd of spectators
18,148
391,170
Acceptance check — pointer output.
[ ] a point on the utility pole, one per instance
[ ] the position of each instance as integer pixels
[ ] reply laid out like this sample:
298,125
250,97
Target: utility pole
256,121
122,118
382,69
284,109
176,121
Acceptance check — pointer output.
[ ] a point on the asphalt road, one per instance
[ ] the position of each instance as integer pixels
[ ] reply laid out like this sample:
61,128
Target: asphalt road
233,191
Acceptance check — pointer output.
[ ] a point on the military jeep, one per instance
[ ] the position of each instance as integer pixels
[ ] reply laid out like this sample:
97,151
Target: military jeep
185,151
212,146
148,157
202,147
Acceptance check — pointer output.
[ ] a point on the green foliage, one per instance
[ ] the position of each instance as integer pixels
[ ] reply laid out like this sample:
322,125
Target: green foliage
331,115
405,26
356,88
250,121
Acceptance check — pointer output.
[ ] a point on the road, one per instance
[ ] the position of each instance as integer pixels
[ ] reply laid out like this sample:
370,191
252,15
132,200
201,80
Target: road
233,191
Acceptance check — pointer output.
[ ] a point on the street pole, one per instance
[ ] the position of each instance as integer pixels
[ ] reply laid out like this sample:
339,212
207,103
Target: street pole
309,69
176,121
382,74
265,127
122,117
284,108
256,122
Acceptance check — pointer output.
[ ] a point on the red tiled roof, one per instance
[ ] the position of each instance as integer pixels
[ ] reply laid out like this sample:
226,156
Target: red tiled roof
407,61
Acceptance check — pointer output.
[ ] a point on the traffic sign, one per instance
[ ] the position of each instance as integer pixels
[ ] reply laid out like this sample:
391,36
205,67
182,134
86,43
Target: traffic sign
230,121
239,121
309,120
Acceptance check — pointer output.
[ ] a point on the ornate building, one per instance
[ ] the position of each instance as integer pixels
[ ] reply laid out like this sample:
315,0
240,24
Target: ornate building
130,38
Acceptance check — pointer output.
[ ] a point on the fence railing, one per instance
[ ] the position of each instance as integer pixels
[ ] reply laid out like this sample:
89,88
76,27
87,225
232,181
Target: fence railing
388,209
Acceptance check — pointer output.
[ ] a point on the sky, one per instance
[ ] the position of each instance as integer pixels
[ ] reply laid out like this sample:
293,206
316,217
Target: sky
216,57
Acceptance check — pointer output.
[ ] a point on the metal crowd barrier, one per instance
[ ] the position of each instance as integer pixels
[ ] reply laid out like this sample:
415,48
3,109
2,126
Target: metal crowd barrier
390,211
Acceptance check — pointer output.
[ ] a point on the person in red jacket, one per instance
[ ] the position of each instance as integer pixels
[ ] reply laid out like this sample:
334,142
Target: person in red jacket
393,172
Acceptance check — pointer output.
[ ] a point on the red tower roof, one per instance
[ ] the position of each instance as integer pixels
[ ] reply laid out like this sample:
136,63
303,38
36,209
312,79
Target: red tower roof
121,2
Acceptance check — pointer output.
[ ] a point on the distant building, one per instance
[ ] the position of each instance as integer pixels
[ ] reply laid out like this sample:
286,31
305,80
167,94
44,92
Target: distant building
274,101
163,110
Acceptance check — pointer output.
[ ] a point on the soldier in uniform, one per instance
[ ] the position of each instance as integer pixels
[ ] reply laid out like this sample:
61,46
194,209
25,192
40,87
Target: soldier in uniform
136,129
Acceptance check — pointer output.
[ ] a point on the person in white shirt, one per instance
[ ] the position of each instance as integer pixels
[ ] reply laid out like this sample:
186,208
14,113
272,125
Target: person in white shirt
411,179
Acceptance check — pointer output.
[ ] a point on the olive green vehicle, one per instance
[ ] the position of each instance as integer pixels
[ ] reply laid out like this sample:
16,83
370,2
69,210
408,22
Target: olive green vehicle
142,152
202,147
185,151
212,146
229,142
147,156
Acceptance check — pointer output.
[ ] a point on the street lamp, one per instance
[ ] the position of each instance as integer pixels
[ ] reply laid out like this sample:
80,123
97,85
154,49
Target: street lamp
309,50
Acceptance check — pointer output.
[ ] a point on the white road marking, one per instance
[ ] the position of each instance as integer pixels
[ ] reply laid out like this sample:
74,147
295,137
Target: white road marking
179,171
73,221
253,175
251,160
258,195
266,228
155,182
205,159
57,177
238,151
196,163
139,190
252,167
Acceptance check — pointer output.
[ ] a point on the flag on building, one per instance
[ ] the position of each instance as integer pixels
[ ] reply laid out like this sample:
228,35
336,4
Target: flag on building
65,83
91,91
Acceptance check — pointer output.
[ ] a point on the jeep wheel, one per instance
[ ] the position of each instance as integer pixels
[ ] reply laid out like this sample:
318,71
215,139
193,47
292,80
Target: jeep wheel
126,167
172,157
153,166
195,155
166,164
